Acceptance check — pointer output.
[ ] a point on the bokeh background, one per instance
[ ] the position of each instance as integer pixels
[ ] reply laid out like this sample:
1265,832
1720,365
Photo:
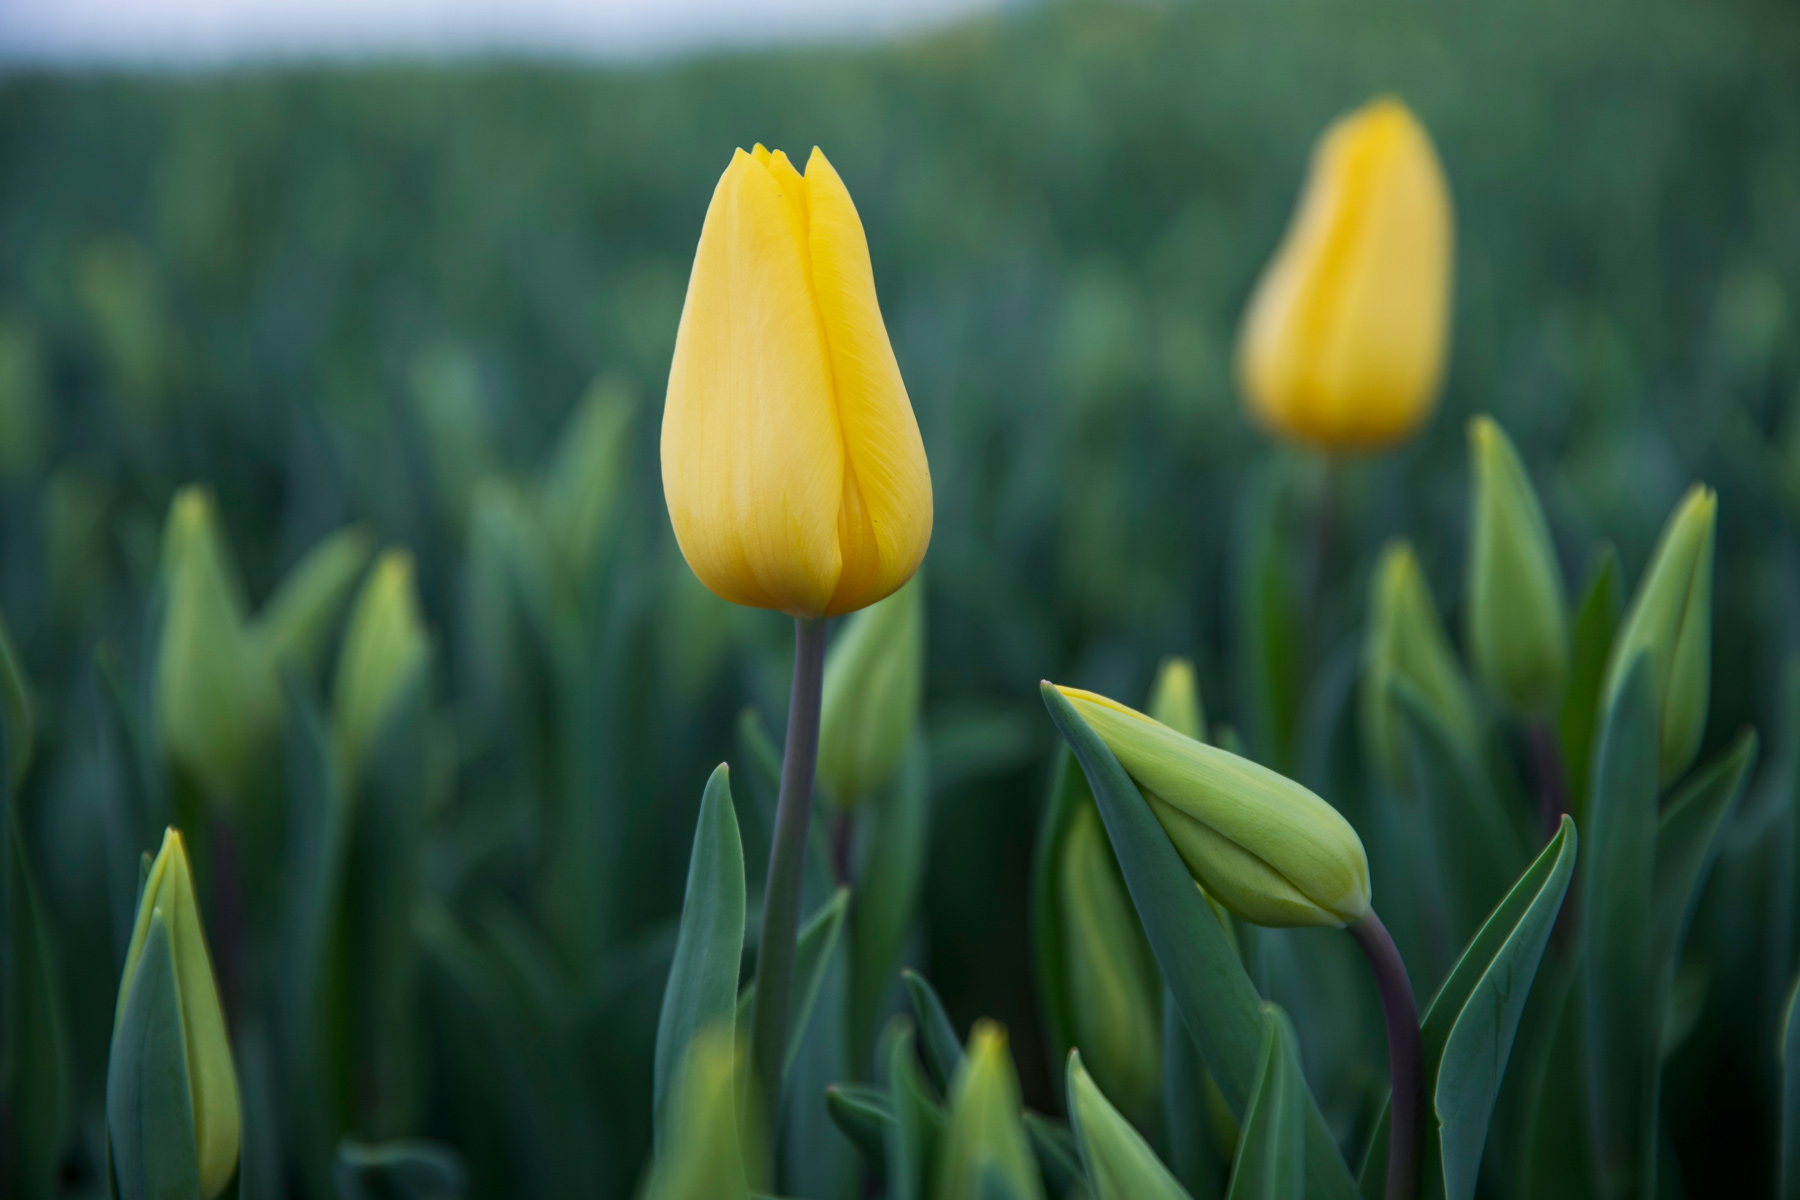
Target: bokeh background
375,292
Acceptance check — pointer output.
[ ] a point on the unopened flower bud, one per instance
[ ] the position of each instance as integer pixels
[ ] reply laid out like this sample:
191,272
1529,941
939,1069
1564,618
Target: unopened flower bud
1518,615
385,650
1406,645
1175,699
1259,843
874,675
1671,618
985,1137
168,1016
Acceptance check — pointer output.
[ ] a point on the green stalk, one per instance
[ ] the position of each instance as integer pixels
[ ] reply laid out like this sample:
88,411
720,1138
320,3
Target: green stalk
1406,1055
787,862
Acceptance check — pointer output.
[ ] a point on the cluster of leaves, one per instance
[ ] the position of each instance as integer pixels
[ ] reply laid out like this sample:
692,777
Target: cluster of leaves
375,296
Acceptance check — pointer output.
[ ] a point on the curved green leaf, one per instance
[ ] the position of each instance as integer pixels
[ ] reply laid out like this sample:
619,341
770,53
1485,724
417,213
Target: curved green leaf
814,946
943,1051
702,987
887,892
1272,1163
1068,791
918,1126
1217,1001
1686,839
865,1116
1059,1162
1120,1164
1188,1103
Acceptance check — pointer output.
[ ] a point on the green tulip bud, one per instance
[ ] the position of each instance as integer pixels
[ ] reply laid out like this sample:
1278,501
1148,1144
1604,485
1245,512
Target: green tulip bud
874,676
984,1139
1671,617
168,1020
15,707
712,1155
1259,843
1406,644
385,650
1115,992
214,707
1518,631
1118,1160
1175,699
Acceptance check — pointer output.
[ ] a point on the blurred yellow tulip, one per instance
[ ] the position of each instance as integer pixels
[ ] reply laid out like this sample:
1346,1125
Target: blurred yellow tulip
792,464
1343,344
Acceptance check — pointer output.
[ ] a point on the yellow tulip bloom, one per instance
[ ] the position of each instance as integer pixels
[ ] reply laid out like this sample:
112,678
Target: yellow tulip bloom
1344,340
792,464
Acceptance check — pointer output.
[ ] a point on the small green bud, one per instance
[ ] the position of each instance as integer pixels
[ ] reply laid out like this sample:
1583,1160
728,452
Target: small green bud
1115,993
712,1155
874,676
1671,617
169,916
385,650
1119,1162
1518,620
1175,699
1406,643
985,1137
214,706
1259,843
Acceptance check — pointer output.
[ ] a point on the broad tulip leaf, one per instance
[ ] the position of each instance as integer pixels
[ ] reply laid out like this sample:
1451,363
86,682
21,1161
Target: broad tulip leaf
1058,1159
1272,1163
1591,637
1480,851
918,1123
702,987
1193,1150
1217,1001
1120,1164
887,892
865,1116
1467,1033
814,945
1068,791
1686,839
149,1106
943,1051
408,1169
1790,1097
1619,1023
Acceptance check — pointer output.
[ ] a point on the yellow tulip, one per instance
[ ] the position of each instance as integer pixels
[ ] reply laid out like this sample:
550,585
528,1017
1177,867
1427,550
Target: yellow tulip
1344,340
792,464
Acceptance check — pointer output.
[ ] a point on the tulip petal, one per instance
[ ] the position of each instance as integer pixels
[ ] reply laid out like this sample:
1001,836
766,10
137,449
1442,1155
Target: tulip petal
885,521
752,453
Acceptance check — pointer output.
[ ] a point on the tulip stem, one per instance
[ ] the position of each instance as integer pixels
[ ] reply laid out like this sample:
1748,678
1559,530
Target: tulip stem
1406,1055
787,860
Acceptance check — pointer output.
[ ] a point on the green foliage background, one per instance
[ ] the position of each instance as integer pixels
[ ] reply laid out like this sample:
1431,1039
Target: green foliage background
354,293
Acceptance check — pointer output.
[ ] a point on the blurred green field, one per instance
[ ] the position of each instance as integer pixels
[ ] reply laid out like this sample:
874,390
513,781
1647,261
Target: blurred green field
374,294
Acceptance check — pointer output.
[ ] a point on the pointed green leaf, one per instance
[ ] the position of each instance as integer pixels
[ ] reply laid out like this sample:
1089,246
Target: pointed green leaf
888,892
918,1126
149,1108
1120,1164
297,620
1618,1027
943,1050
1272,1163
1068,791
1596,620
702,987
865,1116
1687,834
1480,851
1058,1159
814,946
1220,1006
1193,1150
